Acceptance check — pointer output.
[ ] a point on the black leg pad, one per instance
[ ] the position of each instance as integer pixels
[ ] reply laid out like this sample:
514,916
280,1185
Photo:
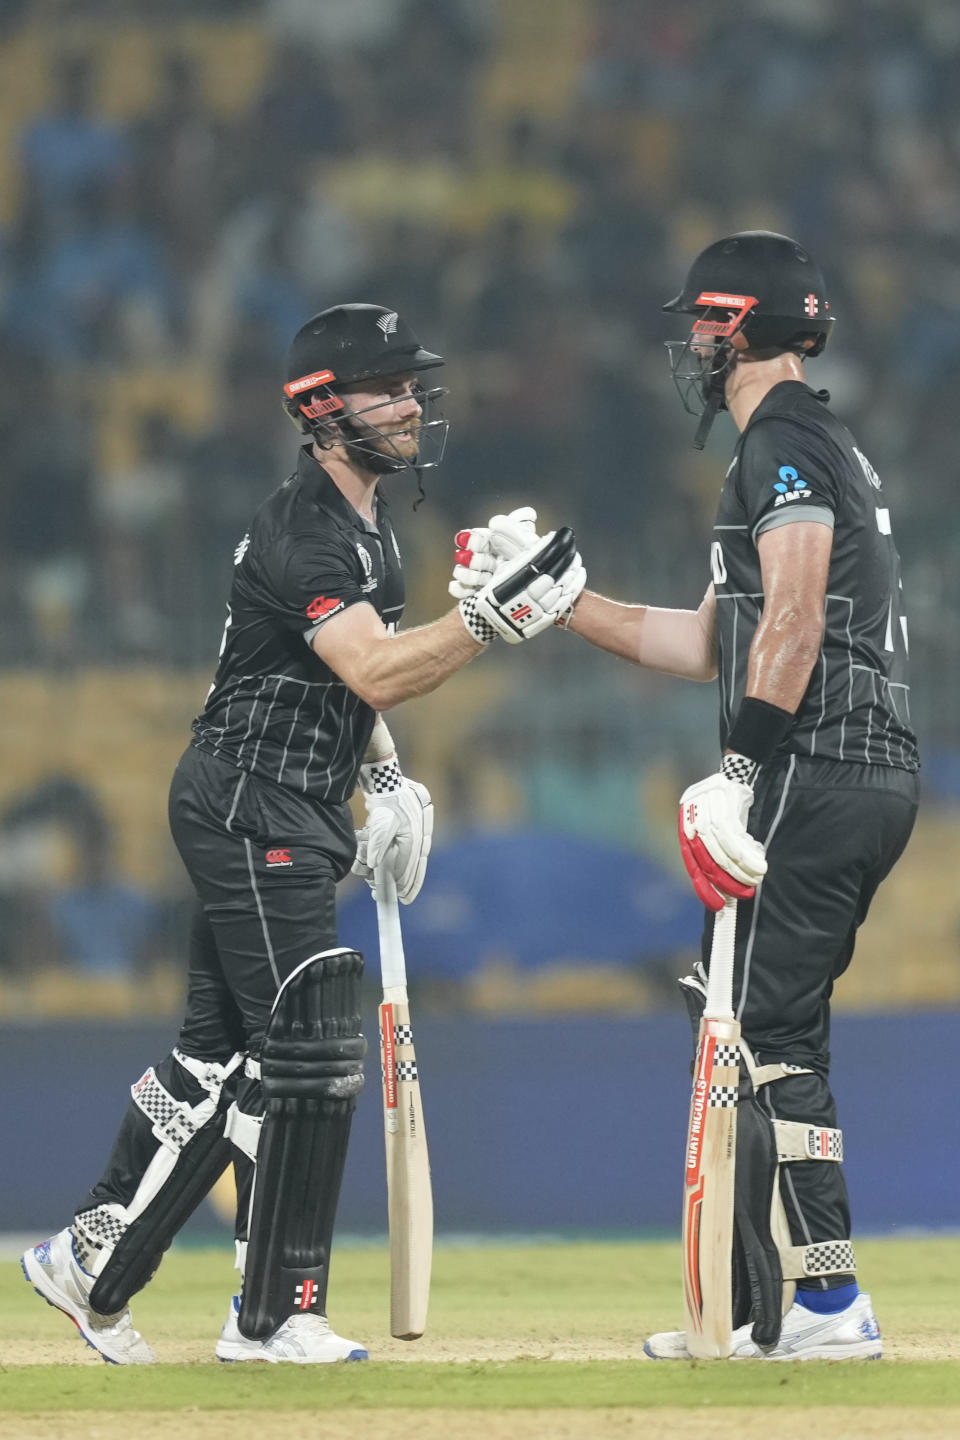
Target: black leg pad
140,1249
312,1073
757,1271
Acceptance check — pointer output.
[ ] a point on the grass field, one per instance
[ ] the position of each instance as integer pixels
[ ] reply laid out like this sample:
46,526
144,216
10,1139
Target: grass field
524,1341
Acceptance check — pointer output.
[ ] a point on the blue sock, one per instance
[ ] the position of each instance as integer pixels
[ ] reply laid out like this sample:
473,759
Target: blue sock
828,1302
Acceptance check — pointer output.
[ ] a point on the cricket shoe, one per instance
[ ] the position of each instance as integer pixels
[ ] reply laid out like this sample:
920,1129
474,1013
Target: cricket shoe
303,1339
851,1334
56,1274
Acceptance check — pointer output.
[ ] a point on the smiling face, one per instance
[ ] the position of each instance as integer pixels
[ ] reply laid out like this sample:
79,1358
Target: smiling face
386,412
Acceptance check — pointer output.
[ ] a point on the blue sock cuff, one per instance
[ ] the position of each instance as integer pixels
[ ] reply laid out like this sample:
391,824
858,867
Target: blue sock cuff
828,1302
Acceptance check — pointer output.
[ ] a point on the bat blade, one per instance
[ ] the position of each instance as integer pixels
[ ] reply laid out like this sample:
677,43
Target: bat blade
409,1192
710,1162
708,1191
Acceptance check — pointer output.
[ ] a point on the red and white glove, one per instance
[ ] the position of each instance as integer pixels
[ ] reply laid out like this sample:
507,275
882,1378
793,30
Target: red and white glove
399,828
479,551
723,860
528,594
485,553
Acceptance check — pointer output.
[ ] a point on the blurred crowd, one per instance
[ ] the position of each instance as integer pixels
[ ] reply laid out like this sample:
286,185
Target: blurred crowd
527,183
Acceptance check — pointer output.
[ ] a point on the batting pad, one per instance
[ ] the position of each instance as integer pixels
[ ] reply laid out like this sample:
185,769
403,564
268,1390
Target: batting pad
311,1070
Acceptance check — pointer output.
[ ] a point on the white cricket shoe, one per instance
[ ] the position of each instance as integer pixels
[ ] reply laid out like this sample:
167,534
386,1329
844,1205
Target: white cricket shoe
851,1334
56,1274
303,1339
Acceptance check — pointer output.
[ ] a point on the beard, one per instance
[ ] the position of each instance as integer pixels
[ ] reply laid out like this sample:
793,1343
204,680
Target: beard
382,452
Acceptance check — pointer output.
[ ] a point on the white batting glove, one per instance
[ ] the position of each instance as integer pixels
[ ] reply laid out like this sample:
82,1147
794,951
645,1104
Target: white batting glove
480,550
723,860
528,594
399,828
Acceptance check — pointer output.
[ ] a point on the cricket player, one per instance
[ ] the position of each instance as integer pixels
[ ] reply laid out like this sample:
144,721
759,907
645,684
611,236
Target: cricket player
816,792
269,1059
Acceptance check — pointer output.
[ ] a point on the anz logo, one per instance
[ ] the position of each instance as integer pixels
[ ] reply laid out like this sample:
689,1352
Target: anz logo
790,486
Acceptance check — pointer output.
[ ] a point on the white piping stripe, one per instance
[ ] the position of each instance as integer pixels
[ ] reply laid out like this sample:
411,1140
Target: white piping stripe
843,722
313,745
748,952
263,919
244,777
345,718
732,689
266,722
293,726
253,711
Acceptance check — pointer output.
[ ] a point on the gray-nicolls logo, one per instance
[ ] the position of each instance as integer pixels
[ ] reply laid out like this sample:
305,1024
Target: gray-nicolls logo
388,324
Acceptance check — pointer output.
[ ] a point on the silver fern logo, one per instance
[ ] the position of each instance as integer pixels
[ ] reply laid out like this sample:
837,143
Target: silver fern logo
388,324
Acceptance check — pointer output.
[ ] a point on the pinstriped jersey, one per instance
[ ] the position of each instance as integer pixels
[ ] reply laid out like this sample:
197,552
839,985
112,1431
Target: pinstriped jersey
796,461
274,708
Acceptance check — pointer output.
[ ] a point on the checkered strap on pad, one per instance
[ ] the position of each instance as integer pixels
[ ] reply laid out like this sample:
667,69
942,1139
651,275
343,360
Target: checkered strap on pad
828,1257
173,1120
96,1232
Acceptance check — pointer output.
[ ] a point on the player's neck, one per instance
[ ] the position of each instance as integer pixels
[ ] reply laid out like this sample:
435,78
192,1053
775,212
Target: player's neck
751,381
355,484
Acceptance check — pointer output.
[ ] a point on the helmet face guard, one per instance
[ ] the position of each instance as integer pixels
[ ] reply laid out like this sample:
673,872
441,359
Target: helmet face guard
701,363
319,411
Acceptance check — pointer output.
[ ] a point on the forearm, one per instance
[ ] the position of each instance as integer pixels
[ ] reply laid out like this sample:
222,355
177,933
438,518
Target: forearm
400,667
782,656
676,642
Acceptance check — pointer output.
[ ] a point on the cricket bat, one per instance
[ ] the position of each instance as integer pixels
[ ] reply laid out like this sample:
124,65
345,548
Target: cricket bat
409,1195
711,1157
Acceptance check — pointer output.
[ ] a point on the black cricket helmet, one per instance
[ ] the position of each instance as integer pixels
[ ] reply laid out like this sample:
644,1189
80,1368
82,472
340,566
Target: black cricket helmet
344,347
756,291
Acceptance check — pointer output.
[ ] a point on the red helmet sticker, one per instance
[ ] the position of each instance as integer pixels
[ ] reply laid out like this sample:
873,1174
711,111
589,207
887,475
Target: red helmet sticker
737,307
322,407
309,382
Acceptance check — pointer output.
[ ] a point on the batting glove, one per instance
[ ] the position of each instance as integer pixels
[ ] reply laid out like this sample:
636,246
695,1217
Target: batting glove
399,828
529,593
479,551
723,860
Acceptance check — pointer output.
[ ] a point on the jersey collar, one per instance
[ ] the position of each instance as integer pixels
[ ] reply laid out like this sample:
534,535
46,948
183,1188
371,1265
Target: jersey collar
317,485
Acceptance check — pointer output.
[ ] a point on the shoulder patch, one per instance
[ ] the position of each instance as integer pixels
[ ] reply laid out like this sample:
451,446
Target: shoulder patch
322,607
789,486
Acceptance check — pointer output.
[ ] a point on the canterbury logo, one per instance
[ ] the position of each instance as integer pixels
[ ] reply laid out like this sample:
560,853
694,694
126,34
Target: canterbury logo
278,857
388,323
323,605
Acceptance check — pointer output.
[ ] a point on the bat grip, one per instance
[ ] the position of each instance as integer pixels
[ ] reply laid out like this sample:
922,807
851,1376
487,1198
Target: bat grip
393,967
719,1004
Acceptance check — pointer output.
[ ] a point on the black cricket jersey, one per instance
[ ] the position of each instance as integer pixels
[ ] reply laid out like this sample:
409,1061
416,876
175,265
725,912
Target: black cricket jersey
274,708
796,461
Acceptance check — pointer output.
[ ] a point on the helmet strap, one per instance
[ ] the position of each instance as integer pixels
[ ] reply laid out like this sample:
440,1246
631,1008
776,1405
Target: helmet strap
710,409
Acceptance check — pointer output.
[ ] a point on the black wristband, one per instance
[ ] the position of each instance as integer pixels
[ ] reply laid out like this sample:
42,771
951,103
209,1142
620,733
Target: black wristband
758,729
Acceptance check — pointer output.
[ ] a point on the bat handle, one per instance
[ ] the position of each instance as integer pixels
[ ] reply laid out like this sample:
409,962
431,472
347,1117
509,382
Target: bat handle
393,967
719,1004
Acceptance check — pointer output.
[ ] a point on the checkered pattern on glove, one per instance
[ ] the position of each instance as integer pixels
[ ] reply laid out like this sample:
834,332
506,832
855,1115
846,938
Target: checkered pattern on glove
739,768
479,628
399,827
